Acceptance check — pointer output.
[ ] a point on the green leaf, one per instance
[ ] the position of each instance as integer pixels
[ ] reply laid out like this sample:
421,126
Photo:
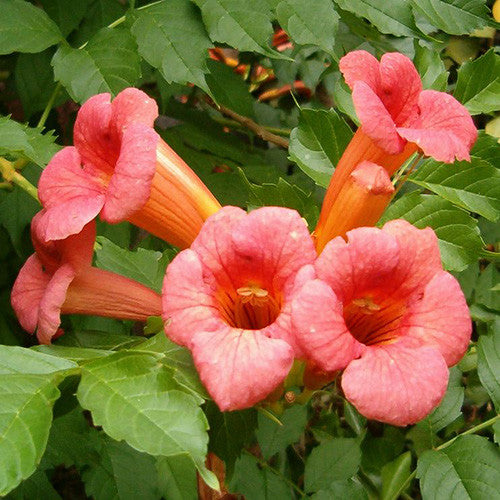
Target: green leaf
145,266
155,416
35,92
473,185
67,16
177,478
307,26
456,17
394,18
317,144
20,140
332,460
243,24
26,401
273,438
229,433
347,489
76,354
172,38
36,487
108,63
486,148
283,194
487,288
229,89
488,365
120,473
18,360
256,483
431,68
467,469
478,84
25,28
459,239
450,407
394,476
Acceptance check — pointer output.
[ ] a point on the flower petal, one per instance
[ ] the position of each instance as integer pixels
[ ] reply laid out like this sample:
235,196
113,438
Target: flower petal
28,291
52,302
130,184
363,264
132,106
419,258
274,243
375,120
440,318
320,330
444,129
92,136
400,86
396,384
188,301
240,367
360,66
71,195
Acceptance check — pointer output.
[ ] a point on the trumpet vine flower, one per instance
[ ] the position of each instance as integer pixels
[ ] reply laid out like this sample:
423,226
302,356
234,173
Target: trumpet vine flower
59,279
397,118
120,168
228,297
382,309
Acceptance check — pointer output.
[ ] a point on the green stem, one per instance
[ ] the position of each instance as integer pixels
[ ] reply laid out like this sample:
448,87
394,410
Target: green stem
10,175
263,463
46,111
491,256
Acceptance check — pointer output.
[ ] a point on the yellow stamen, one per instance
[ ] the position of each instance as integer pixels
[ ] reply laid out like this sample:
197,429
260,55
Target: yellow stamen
253,295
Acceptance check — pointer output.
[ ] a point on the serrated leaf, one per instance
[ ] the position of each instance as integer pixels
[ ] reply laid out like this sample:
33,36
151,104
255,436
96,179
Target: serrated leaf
243,24
144,266
76,354
395,17
19,360
256,483
155,416
486,148
273,437
467,469
108,63
317,144
172,38
394,476
98,340
229,433
487,288
488,365
120,473
66,16
456,17
307,26
459,238
25,28
20,140
229,89
478,84
473,185
348,489
26,401
333,460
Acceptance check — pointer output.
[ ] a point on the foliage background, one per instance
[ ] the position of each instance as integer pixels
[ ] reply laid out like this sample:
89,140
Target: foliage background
100,413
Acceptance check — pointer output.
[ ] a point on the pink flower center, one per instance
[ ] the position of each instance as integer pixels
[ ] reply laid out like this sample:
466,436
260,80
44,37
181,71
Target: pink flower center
250,307
374,323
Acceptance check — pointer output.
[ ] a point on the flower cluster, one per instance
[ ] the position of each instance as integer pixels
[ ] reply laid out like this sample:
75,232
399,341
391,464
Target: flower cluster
252,292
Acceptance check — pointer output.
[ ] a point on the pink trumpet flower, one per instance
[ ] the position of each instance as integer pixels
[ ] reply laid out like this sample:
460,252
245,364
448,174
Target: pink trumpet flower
121,169
397,119
228,298
383,309
59,279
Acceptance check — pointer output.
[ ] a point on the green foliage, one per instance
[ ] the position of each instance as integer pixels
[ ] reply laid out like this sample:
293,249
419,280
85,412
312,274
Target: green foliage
469,468
25,28
488,368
